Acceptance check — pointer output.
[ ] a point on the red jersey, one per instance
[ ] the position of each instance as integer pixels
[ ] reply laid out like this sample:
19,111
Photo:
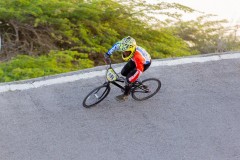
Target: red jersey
140,57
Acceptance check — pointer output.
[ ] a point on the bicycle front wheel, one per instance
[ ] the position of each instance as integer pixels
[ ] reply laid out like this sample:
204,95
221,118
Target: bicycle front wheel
96,95
147,89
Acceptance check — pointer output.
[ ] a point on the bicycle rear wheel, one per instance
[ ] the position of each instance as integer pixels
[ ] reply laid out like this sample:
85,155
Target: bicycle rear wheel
147,89
96,95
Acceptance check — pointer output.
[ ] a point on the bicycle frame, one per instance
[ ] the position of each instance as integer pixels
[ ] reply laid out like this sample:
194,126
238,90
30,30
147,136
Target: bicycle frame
112,77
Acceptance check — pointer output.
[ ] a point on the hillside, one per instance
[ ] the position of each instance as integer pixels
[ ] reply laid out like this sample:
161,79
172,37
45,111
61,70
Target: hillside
41,38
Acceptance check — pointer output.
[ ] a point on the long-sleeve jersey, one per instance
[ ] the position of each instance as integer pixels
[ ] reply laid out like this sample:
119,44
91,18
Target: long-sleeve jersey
140,58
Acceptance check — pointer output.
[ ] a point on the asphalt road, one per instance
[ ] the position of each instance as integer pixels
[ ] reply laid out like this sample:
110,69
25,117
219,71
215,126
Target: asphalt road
195,116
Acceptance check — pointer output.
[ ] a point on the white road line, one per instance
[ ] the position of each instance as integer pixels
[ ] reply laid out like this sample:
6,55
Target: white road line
181,61
72,78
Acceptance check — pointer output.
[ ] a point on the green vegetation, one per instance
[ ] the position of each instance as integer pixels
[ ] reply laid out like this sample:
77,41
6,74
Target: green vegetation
41,37
207,35
25,67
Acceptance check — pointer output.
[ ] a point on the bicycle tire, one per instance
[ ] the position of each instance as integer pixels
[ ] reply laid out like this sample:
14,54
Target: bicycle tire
140,94
103,91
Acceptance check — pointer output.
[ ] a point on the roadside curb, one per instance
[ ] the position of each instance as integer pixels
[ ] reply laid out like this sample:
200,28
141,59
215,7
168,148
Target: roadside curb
100,71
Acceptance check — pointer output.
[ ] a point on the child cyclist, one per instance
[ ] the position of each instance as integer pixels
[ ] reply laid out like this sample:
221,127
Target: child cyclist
138,61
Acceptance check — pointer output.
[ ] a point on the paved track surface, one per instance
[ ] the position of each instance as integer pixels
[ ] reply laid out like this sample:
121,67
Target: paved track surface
195,116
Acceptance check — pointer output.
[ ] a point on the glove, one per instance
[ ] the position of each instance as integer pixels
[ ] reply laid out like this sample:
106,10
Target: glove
107,58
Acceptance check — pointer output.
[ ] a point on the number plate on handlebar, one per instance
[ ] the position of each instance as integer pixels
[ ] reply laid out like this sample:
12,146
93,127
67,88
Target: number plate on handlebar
111,75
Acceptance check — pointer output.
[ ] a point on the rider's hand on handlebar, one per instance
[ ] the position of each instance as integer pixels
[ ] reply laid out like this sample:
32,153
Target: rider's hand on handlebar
107,59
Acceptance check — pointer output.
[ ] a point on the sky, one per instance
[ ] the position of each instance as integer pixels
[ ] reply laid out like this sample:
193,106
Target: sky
225,9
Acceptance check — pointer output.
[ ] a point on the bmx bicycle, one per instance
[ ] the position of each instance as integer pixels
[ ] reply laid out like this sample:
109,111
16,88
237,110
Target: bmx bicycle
140,90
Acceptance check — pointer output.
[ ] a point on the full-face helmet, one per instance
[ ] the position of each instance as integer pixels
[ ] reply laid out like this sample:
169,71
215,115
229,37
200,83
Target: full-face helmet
128,44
